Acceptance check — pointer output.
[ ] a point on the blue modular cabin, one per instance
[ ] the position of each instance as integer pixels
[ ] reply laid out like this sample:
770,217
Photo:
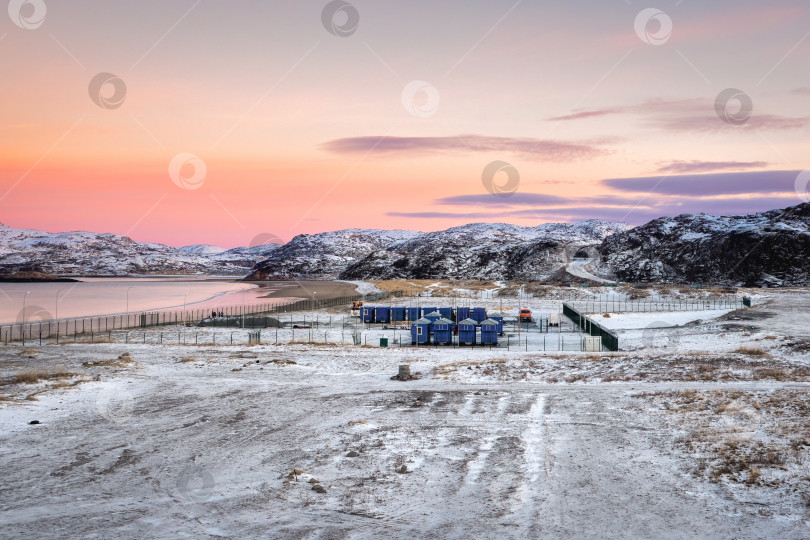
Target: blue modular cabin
382,314
479,314
446,312
462,313
413,313
466,332
426,310
397,314
433,316
420,331
498,318
489,332
443,331
368,314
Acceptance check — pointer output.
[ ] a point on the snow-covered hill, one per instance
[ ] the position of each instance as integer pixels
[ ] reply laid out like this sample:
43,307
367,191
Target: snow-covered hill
202,249
326,255
85,253
768,248
765,249
483,251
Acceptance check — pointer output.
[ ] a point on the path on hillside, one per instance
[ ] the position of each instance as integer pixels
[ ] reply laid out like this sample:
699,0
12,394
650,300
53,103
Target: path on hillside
578,268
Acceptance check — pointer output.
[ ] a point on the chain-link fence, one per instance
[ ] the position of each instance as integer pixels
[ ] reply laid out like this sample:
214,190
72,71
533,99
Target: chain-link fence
610,341
660,305
244,316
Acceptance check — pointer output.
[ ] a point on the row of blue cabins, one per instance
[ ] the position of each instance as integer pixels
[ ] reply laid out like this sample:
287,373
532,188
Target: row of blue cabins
439,325
470,331
381,314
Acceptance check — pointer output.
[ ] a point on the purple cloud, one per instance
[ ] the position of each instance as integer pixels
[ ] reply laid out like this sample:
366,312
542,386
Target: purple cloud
706,166
516,199
697,185
538,148
695,114
635,211
529,199
706,122
580,114
444,215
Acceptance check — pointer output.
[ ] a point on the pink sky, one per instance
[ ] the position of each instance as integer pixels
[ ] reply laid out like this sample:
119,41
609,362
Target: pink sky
303,131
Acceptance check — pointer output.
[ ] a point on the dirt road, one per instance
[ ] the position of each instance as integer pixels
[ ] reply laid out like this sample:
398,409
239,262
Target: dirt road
578,268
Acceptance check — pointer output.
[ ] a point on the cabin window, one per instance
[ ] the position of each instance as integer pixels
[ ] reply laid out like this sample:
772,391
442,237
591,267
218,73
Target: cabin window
418,330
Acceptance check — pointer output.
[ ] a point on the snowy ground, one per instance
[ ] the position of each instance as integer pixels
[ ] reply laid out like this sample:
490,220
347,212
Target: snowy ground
697,430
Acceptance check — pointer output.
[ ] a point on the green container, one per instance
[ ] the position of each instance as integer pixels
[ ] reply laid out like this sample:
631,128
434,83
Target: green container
383,342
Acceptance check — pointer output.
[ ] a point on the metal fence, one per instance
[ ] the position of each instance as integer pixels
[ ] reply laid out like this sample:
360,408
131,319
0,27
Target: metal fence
625,306
244,316
610,341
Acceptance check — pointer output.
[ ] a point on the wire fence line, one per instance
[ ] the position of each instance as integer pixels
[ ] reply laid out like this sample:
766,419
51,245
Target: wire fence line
619,306
286,336
257,315
608,339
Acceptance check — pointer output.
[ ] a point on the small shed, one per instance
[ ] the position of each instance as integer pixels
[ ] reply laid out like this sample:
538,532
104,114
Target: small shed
433,316
489,332
426,310
466,332
498,318
368,314
397,314
462,313
443,331
479,314
382,314
446,312
420,331
413,313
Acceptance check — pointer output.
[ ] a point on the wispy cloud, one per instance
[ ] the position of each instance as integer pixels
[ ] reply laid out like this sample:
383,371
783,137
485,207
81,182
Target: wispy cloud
696,114
527,199
636,201
709,166
517,199
550,150
632,211
580,114
702,185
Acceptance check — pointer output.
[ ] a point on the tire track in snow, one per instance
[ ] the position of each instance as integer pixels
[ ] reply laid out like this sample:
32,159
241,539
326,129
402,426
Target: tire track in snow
534,450
476,465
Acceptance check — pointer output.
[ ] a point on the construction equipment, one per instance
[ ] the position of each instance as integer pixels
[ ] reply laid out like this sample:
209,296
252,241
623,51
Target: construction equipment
356,305
525,315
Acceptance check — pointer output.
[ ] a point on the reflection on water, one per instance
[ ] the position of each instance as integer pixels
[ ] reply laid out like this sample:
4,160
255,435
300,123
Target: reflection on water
106,296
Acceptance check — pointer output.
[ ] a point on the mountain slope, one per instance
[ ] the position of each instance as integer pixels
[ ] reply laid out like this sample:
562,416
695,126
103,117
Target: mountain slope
325,255
483,251
764,249
85,253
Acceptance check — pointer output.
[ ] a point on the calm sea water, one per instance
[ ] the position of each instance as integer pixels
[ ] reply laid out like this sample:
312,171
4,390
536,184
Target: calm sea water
107,296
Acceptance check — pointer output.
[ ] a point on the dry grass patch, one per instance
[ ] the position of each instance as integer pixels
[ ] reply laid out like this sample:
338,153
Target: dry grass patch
771,373
442,288
754,352
33,377
485,365
741,438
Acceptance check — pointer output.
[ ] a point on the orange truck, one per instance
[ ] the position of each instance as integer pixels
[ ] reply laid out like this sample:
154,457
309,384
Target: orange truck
356,308
525,315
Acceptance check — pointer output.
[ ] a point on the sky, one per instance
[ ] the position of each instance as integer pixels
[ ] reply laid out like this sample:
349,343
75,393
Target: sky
228,123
